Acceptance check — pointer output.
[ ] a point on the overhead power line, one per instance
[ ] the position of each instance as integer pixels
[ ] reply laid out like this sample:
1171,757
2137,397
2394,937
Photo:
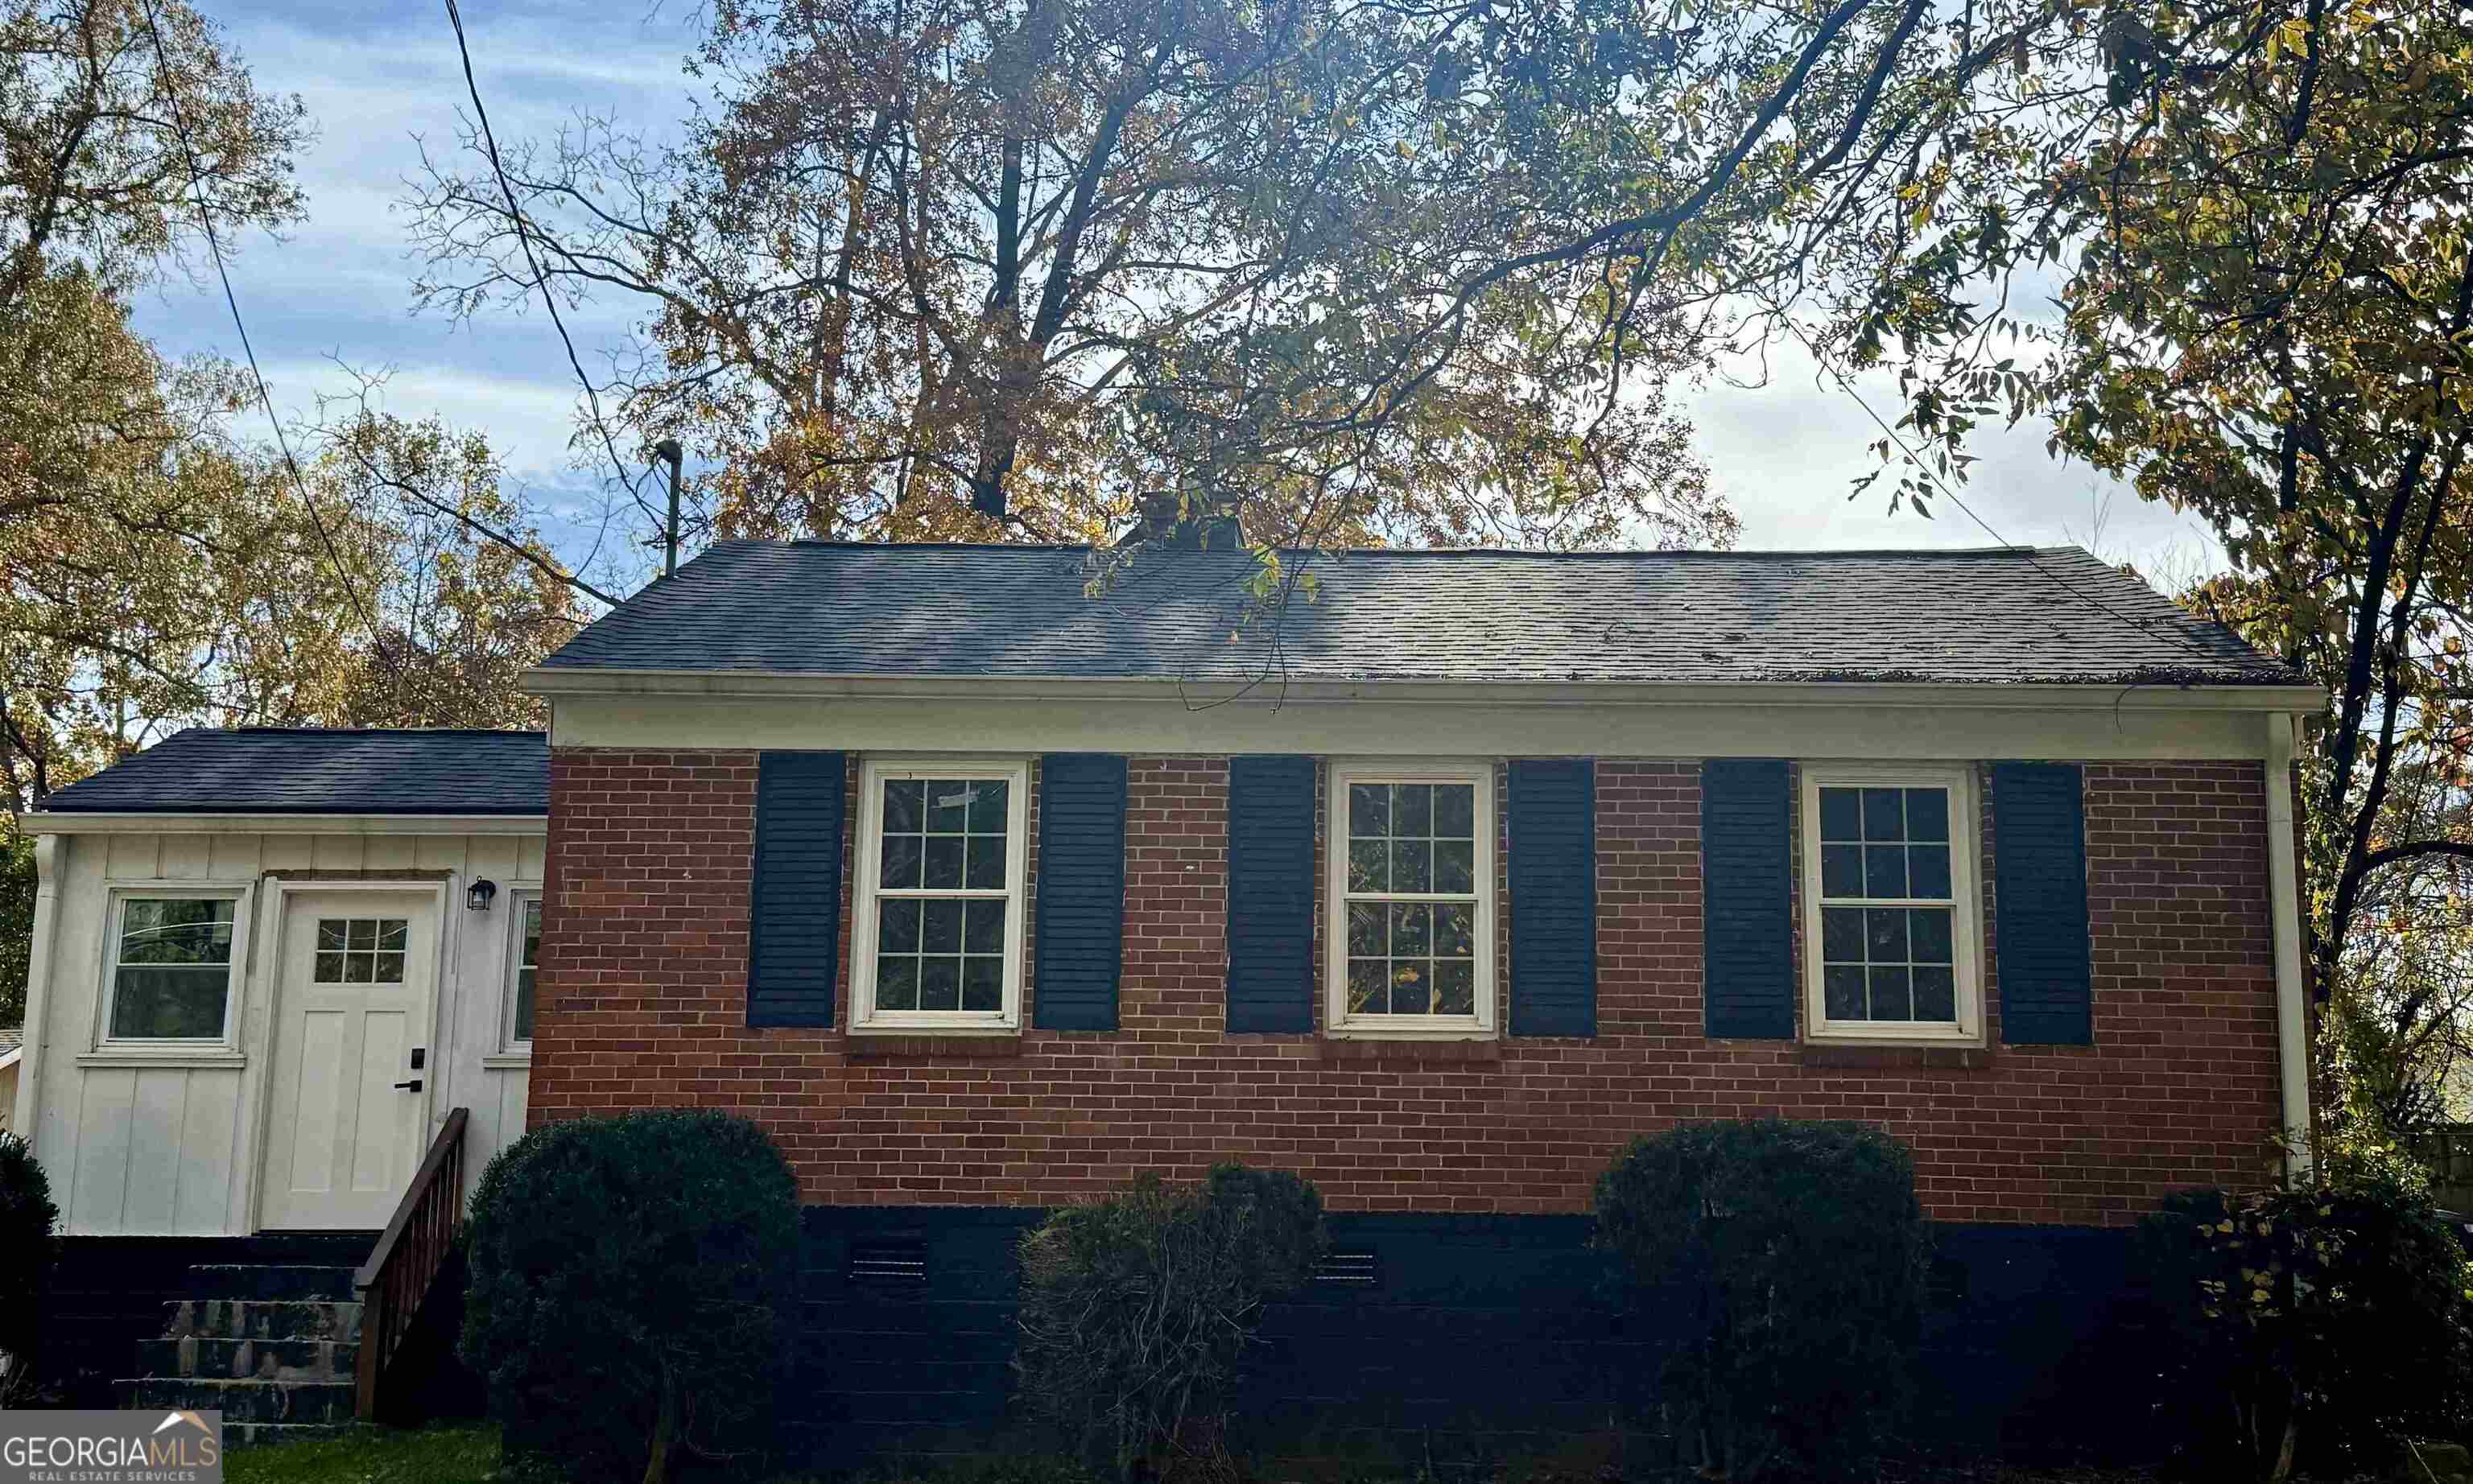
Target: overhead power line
2143,626
180,128
214,247
531,260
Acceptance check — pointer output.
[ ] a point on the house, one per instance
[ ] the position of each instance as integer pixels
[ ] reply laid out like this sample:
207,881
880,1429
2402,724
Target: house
258,987
983,893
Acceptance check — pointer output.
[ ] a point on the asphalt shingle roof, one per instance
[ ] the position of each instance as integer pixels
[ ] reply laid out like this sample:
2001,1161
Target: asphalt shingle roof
2049,615
279,770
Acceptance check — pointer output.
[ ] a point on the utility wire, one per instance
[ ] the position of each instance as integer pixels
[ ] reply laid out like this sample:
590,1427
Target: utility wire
2143,626
214,246
540,279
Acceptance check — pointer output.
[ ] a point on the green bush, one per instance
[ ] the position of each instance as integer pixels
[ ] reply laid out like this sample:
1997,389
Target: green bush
16,919
27,1253
1788,1257
2313,1325
630,1275
1136,1309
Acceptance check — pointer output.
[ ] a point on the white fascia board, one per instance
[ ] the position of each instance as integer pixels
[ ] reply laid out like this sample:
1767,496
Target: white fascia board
2289,699
1504,725
172,824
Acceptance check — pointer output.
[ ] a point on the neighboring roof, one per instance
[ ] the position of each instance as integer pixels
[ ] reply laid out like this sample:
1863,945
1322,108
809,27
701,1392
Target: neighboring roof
285,770
12,1039
2011,615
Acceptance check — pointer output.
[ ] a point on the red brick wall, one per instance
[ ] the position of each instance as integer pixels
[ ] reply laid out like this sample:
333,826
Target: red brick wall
643,986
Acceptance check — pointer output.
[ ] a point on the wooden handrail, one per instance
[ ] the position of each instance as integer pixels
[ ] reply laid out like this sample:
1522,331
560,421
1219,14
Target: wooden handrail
405,1264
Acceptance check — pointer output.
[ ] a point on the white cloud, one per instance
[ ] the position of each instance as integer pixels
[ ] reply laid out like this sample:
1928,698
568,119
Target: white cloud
1786,454
529,422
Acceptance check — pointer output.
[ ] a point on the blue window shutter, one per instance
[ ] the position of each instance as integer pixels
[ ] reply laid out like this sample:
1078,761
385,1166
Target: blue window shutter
1270,894
1081,941
1747,912
1554,897
2040,900
795,922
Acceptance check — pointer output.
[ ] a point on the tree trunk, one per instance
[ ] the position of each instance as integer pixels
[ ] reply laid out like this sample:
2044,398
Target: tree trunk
665,1426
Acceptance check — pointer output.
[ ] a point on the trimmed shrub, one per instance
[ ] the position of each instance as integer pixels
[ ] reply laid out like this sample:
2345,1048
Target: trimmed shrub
1137,1310
630,1275
1790,1258
27,1252
2315,1325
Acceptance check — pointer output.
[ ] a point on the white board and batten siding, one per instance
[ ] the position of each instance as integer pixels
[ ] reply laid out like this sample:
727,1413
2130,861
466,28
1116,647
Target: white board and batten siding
172,1146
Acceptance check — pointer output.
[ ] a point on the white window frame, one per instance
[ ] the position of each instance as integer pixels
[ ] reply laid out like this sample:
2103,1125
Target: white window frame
509,1044
868,863
240,894
1338,1021
1966,901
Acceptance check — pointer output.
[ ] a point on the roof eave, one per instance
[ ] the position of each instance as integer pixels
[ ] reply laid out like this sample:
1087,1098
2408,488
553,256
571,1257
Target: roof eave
124,822
2268,696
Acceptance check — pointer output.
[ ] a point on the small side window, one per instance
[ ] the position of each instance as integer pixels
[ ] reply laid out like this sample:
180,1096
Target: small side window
521,977
172,969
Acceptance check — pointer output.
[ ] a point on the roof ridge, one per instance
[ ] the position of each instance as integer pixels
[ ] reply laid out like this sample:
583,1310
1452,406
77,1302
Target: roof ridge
1530,553
373,731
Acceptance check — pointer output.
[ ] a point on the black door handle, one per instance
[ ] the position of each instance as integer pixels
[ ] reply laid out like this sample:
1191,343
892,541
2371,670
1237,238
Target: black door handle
414,1085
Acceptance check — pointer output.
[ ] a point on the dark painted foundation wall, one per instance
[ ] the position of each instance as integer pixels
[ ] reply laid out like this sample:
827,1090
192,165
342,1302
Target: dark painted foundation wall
1479,1339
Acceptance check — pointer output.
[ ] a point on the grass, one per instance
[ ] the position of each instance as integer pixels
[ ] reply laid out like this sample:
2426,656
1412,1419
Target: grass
447,1455
467,1453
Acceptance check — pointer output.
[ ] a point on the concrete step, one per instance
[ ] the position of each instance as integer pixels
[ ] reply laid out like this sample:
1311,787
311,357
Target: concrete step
251,1401
295,1283
262,1319
263,1434
267,1361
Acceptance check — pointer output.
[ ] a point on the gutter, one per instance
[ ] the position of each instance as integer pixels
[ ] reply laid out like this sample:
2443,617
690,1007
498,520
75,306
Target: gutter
2284,907
50,857
66,822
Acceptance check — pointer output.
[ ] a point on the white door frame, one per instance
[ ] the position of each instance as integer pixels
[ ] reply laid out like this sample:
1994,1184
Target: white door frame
252,1169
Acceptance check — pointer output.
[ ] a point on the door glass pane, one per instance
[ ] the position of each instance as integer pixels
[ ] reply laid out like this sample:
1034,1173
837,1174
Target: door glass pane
373,950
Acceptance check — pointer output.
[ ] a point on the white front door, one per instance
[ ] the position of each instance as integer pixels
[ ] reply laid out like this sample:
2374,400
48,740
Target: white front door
353,1011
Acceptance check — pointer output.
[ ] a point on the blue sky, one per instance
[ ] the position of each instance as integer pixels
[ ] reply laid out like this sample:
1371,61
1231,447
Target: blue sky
377,77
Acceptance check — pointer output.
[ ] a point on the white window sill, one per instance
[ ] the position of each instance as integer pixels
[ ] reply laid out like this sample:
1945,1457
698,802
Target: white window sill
507,1061
1408,1033
885,1028
111,1058
1894,1035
